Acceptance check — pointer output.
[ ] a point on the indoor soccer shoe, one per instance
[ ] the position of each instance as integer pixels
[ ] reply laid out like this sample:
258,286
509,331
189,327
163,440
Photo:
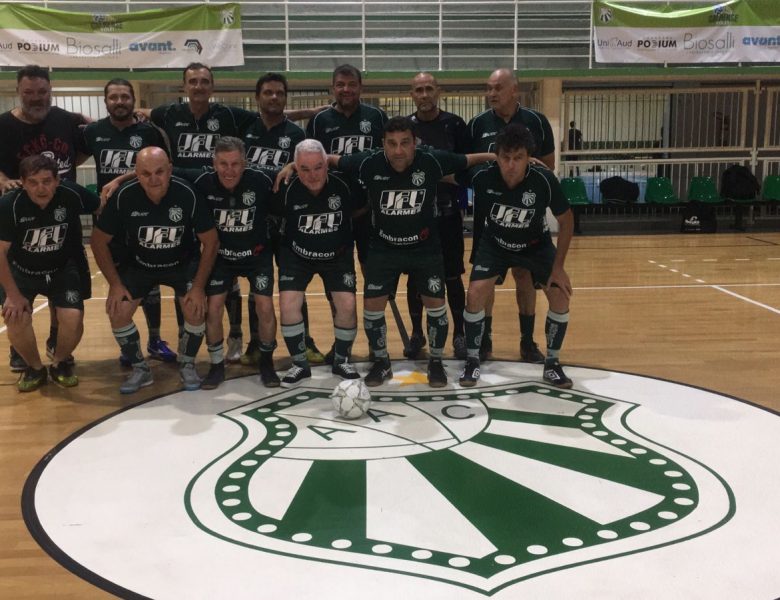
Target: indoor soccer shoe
313,354
416,344
437,376
159,350
295,374
554,375
214,377
470,374
379,372
190,379
234,344
345,370
50,353
62,374
31,379
140,377
267,372
530,353
16,362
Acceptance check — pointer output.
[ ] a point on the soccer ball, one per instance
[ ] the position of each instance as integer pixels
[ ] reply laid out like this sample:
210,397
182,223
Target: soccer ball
351,398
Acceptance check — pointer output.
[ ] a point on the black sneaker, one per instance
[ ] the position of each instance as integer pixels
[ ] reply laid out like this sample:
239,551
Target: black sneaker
214,377
31,379
379,372
62,374
295,374
416,344
437,376
345,370
16,362
50,353
530,353
486,348
470,374
267,373
554,375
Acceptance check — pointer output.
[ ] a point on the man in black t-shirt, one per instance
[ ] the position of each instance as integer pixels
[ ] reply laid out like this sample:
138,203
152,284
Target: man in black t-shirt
114,143
165,224
515,195
444,131
40,246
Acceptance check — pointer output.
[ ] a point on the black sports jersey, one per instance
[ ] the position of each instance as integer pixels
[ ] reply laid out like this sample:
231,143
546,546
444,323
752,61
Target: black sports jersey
158,236
192,141
403,205
318,228
239,215
57,136
271,149
343,135
484,128
446,132
515,219
44,239
115,150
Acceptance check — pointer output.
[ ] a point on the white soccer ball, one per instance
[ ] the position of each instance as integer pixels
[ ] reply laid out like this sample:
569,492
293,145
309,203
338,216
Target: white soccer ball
351,398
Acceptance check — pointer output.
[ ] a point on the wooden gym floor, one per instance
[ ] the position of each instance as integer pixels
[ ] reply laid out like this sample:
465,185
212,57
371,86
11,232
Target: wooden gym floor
701,310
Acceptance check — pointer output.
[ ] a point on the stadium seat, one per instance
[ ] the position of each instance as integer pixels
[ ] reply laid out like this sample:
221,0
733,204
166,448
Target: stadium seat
659,191
703,189
771,188
574,190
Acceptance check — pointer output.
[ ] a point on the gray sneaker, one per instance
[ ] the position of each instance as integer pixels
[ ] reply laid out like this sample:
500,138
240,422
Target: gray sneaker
234,346
140,377
189,377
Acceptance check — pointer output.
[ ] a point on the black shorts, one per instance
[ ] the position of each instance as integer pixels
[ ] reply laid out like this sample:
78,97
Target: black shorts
424,265
259,272
139,282
452,247
295,272
491,261
63,288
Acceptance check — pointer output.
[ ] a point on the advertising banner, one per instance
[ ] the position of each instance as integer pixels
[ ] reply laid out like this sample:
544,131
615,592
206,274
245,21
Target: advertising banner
175,37
701,31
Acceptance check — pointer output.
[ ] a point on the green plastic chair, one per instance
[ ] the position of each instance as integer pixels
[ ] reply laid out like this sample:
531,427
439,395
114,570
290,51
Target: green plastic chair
771,188
703,189
574,190
659,191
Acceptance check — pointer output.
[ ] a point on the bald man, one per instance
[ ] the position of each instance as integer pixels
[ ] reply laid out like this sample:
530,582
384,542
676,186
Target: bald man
171,239
502,95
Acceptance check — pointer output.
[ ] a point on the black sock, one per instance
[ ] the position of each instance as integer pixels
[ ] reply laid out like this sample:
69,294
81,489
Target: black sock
233,306
415,306
456,298
254,322
527,327
153,312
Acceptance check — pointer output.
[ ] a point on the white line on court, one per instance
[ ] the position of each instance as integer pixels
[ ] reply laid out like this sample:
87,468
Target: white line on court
730,293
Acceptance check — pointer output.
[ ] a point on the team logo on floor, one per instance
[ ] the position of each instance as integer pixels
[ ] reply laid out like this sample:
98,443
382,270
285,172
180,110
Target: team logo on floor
563,478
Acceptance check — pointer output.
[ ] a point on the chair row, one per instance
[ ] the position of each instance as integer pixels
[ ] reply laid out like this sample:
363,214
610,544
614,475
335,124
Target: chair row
659,190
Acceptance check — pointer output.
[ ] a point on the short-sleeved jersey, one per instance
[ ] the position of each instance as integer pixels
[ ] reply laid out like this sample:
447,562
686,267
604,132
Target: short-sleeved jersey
240,214
515,219
44,239
158,236
403,205
271,149
446,132
115,150
343,135
58,136
193,140
484,128
318,227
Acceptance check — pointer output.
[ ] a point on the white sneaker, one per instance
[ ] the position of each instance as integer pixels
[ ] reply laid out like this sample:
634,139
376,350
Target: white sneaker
234,345
189,377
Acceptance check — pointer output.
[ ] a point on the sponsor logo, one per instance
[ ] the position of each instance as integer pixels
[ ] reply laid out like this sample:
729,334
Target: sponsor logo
481,268
162,47
283,142
248,198
45,239
138,213
372,286
707,44
135,141
488,134
181,124
42,47
116,161
196,145
349,144
656,43
398,203
216,282
286,278
331,129
381,178
615,42
418,178
75,47
60,214
528,199
105,23
605,14
259,156
514,246
312,254
229,254
492,192
402,240
511,217
365,126
153,237
228,17
334,202
175,214
26,219
102,139
319,223
194,45
723,14
234,220
762,41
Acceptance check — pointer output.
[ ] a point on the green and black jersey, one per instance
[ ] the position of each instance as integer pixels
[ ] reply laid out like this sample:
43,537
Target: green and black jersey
484,128
271,149
403,205
158,236
515,219
193,140
343,135
115,150
318,227
44,239
240,214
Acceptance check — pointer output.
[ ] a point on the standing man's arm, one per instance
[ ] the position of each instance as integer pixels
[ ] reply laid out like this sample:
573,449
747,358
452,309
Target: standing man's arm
7,184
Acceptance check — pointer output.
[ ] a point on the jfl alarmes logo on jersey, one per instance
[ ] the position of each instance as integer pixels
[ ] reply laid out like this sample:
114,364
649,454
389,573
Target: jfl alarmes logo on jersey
401,202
